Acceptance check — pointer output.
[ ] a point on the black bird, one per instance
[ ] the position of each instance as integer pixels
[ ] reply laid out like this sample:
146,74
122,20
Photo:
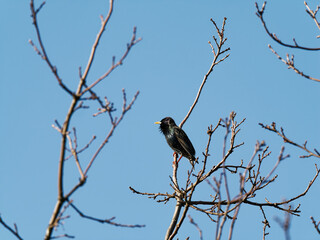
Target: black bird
177,139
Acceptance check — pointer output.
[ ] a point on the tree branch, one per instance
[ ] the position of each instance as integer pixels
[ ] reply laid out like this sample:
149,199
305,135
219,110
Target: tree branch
75,105
95,45
260,13
280,133
290,63
108,221
315,224
133,42
197,226
43,52
217,54
116,122
13,231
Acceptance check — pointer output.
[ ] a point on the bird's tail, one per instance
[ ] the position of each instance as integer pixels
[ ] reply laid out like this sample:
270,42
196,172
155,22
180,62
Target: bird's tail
193,160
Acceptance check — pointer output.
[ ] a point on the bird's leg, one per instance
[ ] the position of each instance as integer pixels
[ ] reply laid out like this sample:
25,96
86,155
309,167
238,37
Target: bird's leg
179,159
175,155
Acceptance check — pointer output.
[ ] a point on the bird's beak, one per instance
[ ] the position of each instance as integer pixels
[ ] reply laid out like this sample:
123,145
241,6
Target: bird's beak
157,123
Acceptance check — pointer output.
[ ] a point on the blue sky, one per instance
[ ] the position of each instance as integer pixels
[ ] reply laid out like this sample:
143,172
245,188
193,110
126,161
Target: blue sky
167,67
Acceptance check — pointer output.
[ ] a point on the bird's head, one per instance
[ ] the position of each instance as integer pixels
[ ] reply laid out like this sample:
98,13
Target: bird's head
166,124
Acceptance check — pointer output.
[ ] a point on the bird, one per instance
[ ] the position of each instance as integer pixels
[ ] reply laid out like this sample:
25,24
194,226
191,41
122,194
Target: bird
177,139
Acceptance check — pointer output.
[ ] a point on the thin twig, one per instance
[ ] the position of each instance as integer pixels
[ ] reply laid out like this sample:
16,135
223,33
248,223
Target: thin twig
13,231
94,46
108,221
313,14
75,153
114,125
197,226
260,13
273,128
43,52
265,224
315,224
62,236
133,42
285,224
215,61
290,63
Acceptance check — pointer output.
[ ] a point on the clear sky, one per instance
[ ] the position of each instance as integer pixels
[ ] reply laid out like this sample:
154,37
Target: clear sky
167,67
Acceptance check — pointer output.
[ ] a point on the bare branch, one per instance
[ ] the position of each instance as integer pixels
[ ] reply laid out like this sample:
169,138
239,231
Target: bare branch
277,205
84,148
107,107
215,61
280,133
224,208
133,42
315,224
290,63
114,125
285,224
173,229
61,200
108,221
260,13
265,224
95,45
313,14
43,52
74,152
179,224
75,105
13,231
154,196
196,225
174,221
62,236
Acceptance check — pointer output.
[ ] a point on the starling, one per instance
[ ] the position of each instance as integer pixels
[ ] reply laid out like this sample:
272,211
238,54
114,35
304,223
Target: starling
177,139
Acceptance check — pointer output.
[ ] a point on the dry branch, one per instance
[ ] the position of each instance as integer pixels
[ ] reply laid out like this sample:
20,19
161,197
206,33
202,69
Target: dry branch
289,61
216,60
184,196
43,53
109,221
223,204
265,224
285,224
10,229
77,103
260,13
315,224
313,14
197,226
222,208
273,128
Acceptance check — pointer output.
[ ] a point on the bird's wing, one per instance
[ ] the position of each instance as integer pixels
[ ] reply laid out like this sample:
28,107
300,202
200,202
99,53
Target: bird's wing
184,141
